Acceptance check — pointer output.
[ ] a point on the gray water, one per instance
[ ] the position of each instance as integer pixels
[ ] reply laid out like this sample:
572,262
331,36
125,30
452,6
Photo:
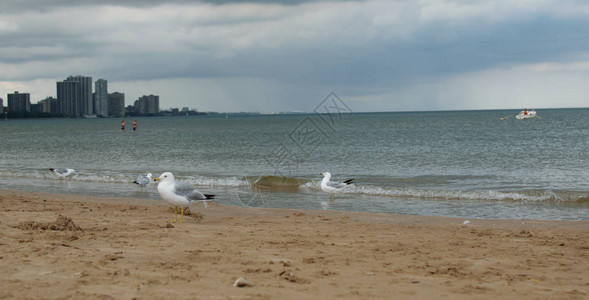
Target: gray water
467,164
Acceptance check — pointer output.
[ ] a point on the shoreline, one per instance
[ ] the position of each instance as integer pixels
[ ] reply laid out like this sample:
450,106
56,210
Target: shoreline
126,248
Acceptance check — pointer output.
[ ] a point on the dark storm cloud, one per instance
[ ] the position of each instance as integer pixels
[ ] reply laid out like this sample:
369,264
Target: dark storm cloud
362,47
43,5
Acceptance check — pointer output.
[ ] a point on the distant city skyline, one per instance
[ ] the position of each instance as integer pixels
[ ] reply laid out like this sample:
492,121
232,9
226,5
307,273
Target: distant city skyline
76,99
269,56
90,101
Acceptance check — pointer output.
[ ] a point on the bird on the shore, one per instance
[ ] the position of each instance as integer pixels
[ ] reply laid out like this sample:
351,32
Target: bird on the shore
62,172
179,194
143,180
333,187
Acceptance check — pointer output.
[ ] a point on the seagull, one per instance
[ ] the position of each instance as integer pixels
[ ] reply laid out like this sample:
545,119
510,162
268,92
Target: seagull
143,181
333,187
62,172
179,194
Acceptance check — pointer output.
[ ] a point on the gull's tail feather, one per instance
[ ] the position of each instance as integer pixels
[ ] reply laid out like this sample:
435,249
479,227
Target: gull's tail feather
349,181
209,196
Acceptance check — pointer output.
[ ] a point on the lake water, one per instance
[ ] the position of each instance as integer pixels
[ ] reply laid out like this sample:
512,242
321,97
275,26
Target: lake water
467,164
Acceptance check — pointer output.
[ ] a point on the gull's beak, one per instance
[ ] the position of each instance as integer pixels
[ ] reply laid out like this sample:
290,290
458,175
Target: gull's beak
157,179
322,174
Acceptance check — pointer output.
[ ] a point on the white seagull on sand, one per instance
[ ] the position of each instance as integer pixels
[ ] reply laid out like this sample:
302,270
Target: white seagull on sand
62,172
143,181
333,187
179,194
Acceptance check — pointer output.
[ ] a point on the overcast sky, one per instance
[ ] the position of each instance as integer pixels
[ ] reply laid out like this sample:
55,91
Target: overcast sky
268,56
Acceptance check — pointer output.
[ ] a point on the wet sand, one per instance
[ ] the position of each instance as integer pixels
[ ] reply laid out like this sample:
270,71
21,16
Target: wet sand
70,246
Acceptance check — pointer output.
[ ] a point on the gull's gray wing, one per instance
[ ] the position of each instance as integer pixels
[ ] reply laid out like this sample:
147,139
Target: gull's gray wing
61,170
183,189
142,180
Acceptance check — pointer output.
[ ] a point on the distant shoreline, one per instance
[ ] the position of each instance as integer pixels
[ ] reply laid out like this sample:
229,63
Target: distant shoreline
29,115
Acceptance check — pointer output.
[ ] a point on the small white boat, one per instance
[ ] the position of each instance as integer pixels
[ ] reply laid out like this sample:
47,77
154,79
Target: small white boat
526,114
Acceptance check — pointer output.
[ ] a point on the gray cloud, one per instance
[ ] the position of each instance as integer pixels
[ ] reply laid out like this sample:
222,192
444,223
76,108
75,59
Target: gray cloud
371,50
11,6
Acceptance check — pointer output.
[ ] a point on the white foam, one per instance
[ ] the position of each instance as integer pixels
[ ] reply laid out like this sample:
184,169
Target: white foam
108,177
433,194
216,181
314,186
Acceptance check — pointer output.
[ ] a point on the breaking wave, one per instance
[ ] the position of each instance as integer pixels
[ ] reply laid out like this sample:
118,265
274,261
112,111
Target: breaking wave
123,178
483,195
293,185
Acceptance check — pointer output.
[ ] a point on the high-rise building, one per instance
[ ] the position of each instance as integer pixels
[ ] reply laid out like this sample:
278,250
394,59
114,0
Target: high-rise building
140,106
148,105
19,102
116,104
101,97
74,96
68,98
49,105
85,104
36,108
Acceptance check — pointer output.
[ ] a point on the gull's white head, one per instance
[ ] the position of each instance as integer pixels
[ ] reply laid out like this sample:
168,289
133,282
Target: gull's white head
149,175
326,174
165,177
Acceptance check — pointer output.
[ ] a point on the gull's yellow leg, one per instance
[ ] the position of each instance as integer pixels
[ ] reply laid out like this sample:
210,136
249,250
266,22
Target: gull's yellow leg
332,197
182,215
175,214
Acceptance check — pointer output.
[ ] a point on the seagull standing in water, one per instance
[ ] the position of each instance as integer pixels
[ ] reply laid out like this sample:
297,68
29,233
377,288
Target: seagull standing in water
143,181
62,172
333,187
179,194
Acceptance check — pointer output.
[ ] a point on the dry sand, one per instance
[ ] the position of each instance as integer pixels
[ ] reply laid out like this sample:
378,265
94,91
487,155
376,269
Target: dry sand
109,248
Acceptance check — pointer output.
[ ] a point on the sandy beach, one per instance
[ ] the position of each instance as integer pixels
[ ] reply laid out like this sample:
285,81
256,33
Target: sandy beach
58,246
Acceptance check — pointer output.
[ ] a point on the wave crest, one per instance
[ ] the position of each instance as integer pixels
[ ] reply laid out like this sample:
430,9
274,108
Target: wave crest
292,184
433,194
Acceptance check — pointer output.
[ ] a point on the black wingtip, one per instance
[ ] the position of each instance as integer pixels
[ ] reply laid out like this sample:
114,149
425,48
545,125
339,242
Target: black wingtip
135,182
209,196
349,181
51,169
